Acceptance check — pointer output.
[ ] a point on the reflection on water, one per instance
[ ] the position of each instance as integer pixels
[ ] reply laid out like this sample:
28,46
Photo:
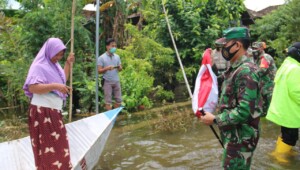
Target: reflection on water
195,149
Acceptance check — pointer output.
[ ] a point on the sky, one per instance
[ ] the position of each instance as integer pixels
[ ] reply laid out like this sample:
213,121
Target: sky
257,5
12,4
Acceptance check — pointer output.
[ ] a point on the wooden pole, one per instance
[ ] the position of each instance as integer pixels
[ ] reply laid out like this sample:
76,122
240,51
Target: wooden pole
97,53
177,54
183,72
71,64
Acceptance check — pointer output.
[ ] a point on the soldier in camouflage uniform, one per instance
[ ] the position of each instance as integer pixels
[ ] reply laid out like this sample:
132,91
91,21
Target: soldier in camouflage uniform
266,72
236,117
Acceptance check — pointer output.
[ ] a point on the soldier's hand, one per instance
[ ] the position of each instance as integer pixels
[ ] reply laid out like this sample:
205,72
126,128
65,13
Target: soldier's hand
208,119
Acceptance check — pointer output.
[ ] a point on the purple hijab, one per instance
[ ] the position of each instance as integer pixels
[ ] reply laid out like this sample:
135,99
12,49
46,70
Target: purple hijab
43,71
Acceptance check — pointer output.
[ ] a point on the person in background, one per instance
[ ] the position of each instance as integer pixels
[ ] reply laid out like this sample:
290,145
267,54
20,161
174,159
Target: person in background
266,71
218,59
109,64
46,86
236,117
249,53
219,64
285,104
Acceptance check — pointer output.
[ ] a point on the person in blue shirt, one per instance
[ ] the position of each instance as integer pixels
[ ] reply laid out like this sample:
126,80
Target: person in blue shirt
109,64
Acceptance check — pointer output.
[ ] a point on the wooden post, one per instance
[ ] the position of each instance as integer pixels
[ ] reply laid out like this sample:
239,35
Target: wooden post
71,64
177,53
182,69
97,53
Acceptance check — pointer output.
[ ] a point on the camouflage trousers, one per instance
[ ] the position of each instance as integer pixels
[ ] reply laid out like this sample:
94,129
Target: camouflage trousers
234,158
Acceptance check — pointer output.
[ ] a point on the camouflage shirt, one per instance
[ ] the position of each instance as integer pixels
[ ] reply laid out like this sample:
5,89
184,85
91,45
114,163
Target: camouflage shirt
237,118
266,71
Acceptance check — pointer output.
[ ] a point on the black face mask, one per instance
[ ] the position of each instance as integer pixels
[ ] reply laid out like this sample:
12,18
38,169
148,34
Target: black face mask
226,52
256,54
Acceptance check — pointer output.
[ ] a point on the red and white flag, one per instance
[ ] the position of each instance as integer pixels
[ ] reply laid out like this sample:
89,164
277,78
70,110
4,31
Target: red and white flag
206,87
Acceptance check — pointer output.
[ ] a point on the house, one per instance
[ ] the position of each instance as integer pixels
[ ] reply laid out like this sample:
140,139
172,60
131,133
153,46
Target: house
249,16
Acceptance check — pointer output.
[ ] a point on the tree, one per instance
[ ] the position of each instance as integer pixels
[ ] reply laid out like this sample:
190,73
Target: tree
280,28
22,39
145,61
195,25
149,67
3,4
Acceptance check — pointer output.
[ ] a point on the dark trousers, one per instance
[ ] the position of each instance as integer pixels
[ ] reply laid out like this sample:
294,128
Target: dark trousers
289,135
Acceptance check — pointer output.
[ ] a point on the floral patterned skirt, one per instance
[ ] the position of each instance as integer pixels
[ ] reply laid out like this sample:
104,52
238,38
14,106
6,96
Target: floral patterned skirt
48,139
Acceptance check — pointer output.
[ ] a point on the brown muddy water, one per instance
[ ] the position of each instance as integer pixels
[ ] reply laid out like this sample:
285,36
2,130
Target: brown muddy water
195,148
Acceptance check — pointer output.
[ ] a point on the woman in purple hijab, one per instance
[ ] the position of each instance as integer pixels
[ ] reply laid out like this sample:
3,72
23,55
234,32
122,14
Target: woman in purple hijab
46,87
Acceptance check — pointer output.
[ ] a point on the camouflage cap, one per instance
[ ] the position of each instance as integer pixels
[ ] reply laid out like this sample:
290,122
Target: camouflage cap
219,42
259,45
235,33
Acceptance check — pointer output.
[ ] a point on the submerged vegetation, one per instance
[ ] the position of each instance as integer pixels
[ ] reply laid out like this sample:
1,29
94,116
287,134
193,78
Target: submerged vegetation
13,128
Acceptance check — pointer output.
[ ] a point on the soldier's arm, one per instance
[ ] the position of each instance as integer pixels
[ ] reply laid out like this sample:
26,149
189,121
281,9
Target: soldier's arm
247,94
264,66
267,66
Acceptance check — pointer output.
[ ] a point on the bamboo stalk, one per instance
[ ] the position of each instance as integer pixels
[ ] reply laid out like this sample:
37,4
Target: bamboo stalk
71,63
177,54
97,54
183,72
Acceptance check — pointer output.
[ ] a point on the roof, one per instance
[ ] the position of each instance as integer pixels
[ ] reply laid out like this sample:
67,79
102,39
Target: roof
263,12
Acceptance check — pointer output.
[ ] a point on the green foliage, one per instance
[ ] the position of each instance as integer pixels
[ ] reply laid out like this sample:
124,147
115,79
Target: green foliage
280,28
161,94
136,83
195,26
147,48
151,70
21,39
144,60
12,63
3,4
31,4
189,71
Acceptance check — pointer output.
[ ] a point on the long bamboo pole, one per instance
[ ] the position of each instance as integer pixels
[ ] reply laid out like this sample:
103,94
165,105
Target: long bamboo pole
177,54
97,53
182,69
71,64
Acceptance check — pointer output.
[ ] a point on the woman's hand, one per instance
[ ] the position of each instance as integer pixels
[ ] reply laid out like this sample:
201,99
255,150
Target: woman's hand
62,88
46,88
71,58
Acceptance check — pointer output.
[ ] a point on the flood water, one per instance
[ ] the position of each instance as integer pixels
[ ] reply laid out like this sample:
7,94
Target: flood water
197,148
